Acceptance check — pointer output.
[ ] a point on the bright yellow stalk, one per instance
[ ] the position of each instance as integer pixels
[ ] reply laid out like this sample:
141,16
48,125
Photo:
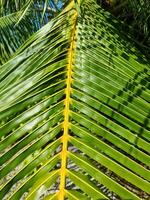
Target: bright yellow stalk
66,111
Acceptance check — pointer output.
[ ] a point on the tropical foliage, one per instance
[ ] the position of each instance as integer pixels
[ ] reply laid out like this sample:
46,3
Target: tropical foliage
74,111
19,20
135,15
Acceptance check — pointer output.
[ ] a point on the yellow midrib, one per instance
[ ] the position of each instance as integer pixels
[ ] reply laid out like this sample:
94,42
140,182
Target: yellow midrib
66,113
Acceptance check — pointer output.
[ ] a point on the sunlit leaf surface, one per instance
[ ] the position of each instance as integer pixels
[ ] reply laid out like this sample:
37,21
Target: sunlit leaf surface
74,112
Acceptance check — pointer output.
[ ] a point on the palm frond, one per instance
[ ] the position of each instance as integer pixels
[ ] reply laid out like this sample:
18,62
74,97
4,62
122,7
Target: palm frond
135,15
11,6
141,12
14,34
19,19
74,111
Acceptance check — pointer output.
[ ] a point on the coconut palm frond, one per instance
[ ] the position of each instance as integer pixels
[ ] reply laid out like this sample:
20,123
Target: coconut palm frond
74,112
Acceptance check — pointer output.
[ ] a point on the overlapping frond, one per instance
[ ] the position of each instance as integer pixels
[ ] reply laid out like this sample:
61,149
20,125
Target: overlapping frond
141,13
13,35
19,20
11,6
74,111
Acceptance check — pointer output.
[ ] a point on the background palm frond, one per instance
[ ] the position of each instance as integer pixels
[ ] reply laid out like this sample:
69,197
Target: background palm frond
136,17
20,19
14,34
